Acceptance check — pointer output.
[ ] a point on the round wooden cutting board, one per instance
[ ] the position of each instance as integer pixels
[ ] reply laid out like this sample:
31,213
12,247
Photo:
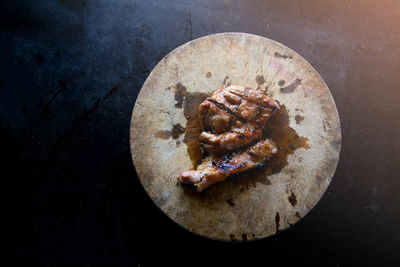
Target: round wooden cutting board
259,203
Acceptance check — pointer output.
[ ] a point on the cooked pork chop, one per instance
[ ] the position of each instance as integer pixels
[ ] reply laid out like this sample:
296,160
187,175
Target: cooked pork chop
215,169
234,117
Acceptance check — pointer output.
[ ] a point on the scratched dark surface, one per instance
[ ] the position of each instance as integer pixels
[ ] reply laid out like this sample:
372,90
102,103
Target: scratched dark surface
70,73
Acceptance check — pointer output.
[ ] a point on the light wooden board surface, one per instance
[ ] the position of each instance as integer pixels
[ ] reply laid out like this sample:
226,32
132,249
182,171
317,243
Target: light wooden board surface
230,211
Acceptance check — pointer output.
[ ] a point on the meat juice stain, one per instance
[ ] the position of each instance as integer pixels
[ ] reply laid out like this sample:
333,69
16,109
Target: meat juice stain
292,199
177,129
277,220
291,87
287,139
163,134
175,132
298,119
278,130
277,54
260,79
180,93
193,125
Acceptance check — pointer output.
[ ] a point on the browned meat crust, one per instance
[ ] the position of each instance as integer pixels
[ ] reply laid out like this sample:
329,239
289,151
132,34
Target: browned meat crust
216,169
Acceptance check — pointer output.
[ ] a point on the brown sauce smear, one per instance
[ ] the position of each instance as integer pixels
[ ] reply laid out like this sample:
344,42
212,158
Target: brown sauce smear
193,126
180,93
163,134
260,79
292,199
277,54
291,87
287,139
175,132
298,119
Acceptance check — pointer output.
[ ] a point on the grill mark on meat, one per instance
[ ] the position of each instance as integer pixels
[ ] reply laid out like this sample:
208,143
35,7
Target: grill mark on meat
227,167
246,118
222,106
236,113
230,141
216,169
230,155
259,109
255,102
241,136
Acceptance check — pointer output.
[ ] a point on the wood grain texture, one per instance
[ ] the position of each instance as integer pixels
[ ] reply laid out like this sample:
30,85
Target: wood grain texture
230,211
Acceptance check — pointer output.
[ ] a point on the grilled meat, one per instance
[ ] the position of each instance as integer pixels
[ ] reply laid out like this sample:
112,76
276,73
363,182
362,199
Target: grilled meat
234,117
237,137
214,169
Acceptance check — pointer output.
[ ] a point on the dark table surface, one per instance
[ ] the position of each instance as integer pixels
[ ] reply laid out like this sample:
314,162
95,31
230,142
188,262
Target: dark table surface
71,71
